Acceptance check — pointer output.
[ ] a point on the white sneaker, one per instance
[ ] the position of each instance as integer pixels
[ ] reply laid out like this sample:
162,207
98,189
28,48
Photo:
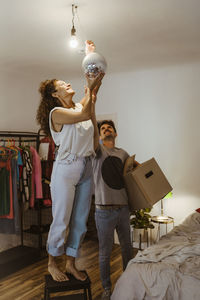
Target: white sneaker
106,294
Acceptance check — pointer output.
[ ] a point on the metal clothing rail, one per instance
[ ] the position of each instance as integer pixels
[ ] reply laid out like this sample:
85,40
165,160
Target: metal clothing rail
22,136
18,134
11,260
29,140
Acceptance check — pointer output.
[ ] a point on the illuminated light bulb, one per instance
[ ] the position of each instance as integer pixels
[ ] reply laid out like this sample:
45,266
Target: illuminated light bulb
73,41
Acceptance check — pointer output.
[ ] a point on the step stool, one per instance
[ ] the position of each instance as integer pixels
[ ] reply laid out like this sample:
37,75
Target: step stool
52,286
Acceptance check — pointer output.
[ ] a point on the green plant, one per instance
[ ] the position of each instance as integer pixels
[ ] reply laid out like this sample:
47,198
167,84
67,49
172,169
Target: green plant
141,219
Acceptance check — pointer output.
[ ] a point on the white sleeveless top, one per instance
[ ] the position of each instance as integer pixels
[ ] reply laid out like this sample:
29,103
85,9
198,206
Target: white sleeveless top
74,140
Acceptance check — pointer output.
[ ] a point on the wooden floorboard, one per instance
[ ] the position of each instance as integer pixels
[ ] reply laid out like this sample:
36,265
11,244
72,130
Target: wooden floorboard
28,283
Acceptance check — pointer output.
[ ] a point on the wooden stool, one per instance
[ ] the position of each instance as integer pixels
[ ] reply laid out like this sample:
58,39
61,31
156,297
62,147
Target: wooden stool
52,286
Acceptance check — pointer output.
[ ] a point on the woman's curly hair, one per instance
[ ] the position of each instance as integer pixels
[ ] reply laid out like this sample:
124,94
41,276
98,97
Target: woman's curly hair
47,103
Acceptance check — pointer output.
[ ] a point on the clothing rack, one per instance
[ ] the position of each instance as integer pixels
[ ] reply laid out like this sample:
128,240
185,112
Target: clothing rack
20,135
18,257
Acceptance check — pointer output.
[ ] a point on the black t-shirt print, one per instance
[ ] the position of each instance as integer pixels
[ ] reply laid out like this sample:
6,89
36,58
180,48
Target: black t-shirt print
112,172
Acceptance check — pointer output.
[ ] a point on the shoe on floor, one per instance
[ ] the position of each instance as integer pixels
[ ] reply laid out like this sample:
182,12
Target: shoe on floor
106,294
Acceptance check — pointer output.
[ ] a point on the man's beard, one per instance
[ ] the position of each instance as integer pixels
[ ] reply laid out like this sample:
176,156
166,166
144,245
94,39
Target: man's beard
108,138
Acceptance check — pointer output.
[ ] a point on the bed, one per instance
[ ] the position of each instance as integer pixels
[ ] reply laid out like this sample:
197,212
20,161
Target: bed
168,270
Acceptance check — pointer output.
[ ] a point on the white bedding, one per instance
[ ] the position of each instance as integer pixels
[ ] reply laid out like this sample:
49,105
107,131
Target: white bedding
168,270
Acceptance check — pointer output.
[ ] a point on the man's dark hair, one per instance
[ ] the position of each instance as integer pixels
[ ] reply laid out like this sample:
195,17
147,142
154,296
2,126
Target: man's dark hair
109,122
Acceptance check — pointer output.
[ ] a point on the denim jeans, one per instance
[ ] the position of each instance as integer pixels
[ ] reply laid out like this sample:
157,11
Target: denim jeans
71,189
80,212
106,222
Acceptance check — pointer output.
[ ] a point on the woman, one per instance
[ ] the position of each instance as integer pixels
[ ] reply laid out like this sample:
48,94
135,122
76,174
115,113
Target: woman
70,125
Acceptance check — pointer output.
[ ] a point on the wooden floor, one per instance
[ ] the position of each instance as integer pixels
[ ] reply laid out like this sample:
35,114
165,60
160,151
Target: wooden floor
28,284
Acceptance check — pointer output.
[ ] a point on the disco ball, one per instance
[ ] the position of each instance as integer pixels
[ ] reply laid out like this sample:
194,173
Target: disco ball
93,64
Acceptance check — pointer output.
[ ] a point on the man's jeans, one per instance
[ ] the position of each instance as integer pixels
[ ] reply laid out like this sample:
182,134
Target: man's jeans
106,222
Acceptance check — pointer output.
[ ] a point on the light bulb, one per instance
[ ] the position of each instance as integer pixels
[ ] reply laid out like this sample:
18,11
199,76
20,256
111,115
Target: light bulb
73,41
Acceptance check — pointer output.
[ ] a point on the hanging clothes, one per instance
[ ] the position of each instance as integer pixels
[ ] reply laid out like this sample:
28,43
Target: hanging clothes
26,176
9,205
47,159
5,172
36,191
11,226
6,193
20,174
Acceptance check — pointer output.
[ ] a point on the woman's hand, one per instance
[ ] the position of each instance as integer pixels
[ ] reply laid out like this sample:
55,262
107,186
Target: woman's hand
95,81
89,47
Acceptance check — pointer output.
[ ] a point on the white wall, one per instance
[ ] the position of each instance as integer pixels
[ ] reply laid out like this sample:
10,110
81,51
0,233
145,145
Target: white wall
18,102
157,114
20,99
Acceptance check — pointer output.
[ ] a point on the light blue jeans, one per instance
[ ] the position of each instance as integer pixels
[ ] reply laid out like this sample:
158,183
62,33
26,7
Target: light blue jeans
106,222
71,191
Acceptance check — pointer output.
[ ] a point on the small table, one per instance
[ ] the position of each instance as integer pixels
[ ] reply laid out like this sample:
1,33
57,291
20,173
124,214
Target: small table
162,220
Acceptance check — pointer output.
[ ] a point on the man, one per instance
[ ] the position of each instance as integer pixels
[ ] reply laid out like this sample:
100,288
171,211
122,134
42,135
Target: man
111,201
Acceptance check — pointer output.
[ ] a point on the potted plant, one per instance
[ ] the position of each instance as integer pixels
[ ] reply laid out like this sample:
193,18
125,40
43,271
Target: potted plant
141,219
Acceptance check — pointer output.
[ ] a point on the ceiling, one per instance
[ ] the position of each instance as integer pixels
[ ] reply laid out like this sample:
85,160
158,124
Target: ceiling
131,34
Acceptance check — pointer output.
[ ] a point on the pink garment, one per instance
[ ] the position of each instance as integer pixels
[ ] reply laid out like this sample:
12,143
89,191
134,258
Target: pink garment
36,178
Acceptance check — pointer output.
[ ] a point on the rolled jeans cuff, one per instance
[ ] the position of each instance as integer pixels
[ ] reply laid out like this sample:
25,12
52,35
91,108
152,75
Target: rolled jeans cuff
56,251
72,252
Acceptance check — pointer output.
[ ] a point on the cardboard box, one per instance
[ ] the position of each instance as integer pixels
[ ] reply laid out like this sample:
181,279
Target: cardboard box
146,185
